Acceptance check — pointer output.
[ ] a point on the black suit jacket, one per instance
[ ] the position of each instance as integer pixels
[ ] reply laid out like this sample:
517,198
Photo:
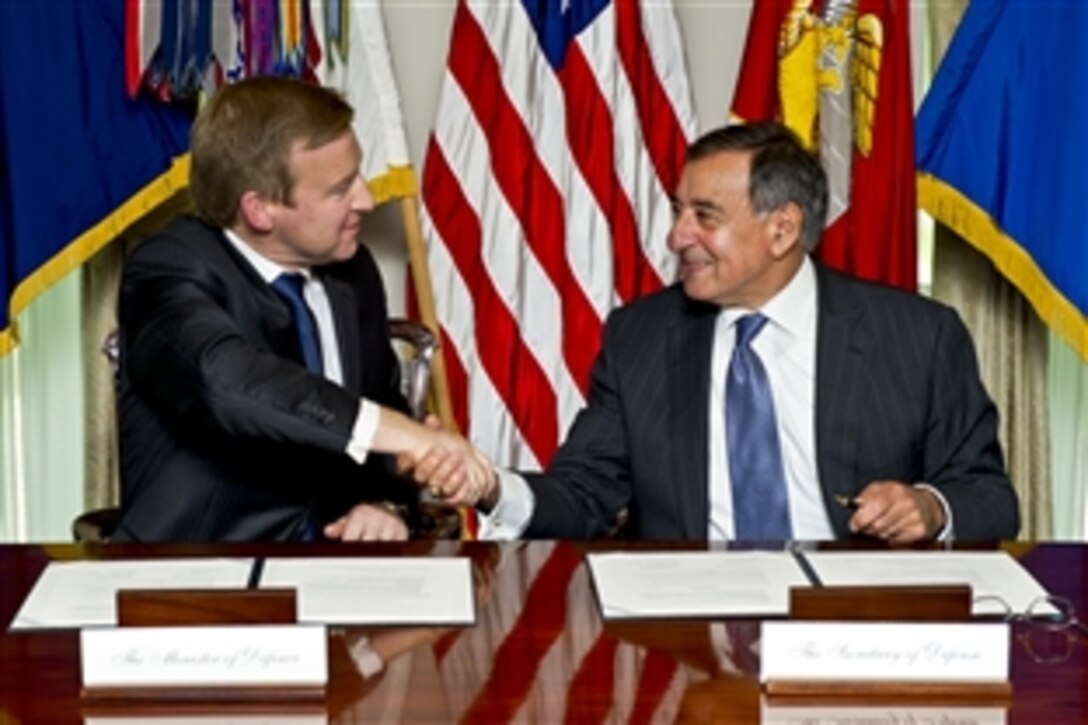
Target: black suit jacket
224,434
898,396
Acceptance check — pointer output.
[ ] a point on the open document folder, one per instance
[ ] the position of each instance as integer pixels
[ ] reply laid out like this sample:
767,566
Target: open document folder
995,578
347,590
757,583
84,593
695,583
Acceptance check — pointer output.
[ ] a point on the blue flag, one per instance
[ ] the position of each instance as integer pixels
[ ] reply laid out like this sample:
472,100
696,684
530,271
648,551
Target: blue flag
79,159
1002,150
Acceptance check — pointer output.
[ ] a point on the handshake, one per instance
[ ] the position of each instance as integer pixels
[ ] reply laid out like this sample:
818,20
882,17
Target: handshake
451,468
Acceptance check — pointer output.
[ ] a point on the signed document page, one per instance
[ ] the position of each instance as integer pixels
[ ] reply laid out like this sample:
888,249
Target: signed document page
994,576
379,590
84,593
695,584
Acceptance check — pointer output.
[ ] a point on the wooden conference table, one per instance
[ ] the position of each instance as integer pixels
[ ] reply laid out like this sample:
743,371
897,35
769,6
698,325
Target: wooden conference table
538,652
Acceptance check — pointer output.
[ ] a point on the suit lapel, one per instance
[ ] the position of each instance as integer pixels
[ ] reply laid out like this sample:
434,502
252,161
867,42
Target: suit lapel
342,303
842,343
689,350
261,312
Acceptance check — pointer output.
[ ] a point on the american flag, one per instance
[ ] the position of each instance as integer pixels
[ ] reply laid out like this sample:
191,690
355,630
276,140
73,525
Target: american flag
559,136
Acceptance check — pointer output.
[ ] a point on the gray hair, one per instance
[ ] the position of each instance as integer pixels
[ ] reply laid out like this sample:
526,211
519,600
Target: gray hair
782,171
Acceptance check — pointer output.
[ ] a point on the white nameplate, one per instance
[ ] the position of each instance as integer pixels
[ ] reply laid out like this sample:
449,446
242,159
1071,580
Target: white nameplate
778,714
213,656
885,652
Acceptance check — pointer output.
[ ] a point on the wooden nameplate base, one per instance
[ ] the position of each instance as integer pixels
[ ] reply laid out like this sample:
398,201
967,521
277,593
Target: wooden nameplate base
246,628
943,603
935,693
898,606
189,607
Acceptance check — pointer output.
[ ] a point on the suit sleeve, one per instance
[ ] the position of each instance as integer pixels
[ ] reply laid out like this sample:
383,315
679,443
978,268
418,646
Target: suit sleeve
588,481
962,457
197,351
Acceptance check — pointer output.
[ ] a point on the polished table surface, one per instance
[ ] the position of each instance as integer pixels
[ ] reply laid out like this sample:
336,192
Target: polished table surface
538,652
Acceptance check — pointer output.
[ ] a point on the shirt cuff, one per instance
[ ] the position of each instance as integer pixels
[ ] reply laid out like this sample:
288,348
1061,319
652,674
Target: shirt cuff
362,433
366,658
948,533
510,516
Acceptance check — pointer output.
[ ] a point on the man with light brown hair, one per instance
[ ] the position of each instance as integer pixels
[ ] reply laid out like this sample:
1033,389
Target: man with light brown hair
258,389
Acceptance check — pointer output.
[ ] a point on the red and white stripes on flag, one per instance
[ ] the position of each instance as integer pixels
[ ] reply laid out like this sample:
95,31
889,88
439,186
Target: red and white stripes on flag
559,137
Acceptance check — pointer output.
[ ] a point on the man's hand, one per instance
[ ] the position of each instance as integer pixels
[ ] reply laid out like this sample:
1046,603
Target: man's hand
443,470
897,513
368,522
447,464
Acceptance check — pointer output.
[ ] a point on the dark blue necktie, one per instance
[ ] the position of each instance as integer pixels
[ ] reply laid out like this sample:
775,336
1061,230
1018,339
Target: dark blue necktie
761,509
289,287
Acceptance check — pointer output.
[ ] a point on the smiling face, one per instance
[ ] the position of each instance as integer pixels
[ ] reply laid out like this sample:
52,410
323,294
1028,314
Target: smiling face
320,219
729,254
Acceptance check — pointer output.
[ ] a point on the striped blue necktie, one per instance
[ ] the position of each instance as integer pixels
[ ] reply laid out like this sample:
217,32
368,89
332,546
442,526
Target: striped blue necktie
289,287
761,509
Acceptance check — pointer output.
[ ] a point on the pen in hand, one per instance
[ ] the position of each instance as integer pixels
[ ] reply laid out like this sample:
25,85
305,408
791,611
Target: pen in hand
846,502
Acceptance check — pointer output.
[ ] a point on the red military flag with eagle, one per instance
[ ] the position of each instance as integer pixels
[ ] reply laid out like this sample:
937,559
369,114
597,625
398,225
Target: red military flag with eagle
838,74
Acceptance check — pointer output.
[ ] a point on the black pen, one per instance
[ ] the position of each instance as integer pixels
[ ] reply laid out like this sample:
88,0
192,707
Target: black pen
847,502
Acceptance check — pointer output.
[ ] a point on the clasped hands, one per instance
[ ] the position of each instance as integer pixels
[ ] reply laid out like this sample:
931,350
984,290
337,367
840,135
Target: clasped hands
452,469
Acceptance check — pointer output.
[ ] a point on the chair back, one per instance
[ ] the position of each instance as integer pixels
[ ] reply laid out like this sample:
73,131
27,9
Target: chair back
416,362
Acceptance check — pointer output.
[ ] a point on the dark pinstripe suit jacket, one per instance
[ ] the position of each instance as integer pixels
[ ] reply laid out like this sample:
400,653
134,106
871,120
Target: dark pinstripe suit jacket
224,435
898,396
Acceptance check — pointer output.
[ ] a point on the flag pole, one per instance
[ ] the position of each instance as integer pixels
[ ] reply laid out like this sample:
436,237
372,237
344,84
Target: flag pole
421,280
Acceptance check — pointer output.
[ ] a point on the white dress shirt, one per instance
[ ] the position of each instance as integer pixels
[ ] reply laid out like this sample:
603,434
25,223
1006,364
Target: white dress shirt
317,299
787,348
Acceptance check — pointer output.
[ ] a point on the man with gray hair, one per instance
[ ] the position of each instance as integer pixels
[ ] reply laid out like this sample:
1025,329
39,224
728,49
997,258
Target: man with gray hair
764,397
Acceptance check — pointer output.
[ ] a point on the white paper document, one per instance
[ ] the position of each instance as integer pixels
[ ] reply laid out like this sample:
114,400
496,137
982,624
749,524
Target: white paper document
365,590
994,576
84,593
695,584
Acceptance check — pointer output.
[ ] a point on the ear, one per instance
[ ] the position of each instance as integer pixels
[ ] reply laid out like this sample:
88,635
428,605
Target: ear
785,228
255,212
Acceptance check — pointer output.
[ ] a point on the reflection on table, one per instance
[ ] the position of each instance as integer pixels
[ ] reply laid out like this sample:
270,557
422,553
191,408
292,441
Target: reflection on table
538,652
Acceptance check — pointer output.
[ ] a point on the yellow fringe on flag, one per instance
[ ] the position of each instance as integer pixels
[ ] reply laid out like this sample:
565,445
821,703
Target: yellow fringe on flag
949,206
87,244
398,181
